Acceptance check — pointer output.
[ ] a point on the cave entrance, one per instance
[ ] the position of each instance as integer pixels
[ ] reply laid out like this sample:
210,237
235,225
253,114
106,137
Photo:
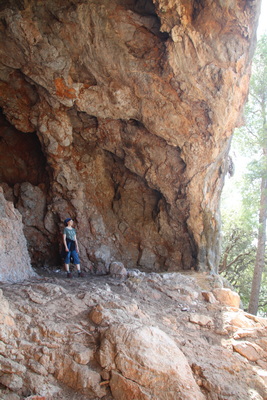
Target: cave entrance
22,159
24,176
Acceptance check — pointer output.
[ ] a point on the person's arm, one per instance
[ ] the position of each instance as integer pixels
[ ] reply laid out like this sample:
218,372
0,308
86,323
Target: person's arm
64,241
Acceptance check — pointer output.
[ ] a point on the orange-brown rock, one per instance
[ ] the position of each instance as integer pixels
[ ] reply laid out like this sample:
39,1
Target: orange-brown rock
227,297
134,103
103,338
251,351
148,362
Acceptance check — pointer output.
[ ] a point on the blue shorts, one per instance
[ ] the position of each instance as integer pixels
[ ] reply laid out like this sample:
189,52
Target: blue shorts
72,254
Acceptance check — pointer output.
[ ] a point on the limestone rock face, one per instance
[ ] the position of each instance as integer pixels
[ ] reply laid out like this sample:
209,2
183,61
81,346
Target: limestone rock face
15,262
134,103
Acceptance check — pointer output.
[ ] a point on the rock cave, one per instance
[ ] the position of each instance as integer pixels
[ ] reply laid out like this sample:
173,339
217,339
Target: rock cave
120,115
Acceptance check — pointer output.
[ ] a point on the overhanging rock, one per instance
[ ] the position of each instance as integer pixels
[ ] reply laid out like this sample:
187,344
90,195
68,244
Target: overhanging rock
134,104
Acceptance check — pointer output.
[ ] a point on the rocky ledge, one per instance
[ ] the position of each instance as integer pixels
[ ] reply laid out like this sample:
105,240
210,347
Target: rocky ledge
138,336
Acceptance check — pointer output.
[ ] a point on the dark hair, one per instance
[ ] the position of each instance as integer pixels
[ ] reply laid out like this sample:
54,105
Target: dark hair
66,221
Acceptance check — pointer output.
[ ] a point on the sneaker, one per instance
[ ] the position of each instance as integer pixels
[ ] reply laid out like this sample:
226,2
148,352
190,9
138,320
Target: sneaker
80,274
69,275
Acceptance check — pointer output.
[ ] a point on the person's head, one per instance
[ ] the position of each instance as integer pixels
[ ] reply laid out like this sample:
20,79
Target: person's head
68,222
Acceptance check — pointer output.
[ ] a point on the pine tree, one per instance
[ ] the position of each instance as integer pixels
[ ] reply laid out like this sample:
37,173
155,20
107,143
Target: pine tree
257,126
244,241
256,142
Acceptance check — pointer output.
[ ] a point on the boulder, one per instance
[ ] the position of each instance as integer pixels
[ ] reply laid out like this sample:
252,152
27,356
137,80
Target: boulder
209,297
79,377
117,270
249,350
227,297
202,320
15,264
146,363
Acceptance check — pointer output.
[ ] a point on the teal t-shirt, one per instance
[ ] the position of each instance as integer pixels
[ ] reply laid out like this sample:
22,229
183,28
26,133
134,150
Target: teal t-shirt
70,233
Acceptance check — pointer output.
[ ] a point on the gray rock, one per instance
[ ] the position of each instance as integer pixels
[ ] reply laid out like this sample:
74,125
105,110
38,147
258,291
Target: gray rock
117,270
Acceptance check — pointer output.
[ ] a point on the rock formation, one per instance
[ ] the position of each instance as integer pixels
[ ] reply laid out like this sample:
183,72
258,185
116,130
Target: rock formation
15,262
133,103
143,337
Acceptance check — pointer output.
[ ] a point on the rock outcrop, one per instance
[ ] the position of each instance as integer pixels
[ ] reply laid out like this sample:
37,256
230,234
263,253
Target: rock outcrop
15,264
146,364
134,103
146,337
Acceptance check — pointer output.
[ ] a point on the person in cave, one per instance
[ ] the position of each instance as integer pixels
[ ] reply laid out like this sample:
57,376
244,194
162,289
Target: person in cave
71,248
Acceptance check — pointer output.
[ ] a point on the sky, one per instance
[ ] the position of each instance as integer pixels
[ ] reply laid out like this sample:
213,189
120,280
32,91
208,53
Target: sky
262,27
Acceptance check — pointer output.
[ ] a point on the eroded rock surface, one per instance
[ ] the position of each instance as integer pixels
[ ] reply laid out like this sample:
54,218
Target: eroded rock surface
146,363
15,264
134,103
148,336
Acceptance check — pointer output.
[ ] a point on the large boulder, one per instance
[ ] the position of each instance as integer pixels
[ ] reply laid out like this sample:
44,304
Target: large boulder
15,262
145,363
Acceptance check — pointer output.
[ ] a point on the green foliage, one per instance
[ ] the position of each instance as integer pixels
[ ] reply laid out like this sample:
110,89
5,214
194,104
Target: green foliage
238,255
238,252
240,227
250,190
251,138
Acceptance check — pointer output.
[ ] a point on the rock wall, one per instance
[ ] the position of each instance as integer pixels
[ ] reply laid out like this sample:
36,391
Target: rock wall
134,103
15,262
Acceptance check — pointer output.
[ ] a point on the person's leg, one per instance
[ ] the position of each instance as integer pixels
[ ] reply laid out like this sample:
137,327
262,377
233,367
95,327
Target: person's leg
67,264
76,260
67,267
80,274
